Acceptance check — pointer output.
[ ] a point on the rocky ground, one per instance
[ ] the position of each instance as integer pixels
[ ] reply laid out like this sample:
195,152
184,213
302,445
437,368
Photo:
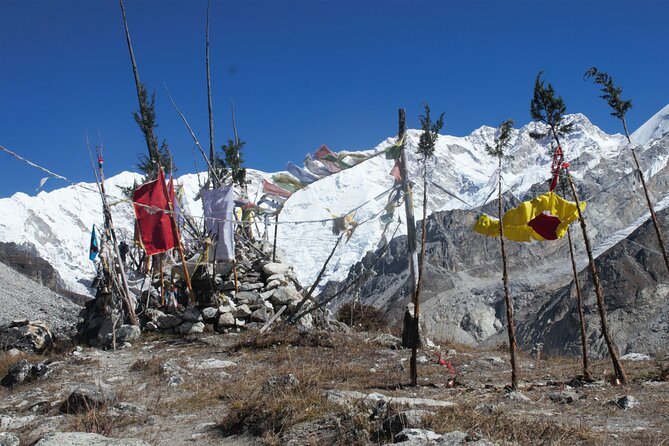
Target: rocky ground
287,387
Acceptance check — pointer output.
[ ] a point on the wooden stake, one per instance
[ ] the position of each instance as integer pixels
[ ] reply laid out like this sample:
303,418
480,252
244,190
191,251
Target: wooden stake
407,190
180,248
510,322
276,230
613,350
162,279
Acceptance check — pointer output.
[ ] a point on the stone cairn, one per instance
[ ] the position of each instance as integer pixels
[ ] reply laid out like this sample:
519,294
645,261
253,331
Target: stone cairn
247,299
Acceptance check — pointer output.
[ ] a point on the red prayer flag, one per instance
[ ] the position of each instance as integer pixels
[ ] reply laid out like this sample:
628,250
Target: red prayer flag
273,189
322,152
153,223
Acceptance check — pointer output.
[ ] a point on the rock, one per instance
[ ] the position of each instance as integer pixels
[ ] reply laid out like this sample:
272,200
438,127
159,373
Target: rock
213,364
173,373
86,439
246,297
168,321
127,333
285,295
564,396
7,439
191,314
271,285
387,341
624,402
197,327
153,315
209,313
417,436
227,285
24,372
150,326
27,336
241,311
352,396
517,396
246,286
635,357
270,269
226,320
280,277
123,408
404,420
305,324
260,315
226,308
88,397
283,383
495,359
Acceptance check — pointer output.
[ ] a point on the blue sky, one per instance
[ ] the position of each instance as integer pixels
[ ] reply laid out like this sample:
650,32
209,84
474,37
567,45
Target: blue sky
304,72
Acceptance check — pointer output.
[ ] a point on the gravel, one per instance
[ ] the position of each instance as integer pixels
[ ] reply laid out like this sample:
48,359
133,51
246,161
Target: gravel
21,298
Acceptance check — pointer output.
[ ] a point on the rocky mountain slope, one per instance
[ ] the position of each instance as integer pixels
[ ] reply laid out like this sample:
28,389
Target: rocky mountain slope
463,296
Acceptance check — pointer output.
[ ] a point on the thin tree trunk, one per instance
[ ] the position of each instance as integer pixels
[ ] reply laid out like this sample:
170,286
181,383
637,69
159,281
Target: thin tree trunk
511,325
658,232
613,350
423,241
212,152
411,243
587,376
151,143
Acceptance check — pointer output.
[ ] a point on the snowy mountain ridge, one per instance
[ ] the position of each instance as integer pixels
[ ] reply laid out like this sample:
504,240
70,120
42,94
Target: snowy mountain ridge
58,223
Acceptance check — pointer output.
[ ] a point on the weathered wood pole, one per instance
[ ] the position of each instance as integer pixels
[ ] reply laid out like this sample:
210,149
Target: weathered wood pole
212,151
613,350
151,142
407,190
510,322
587,375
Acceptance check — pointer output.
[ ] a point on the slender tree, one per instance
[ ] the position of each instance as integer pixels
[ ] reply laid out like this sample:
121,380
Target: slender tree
497,150
426,148
146,118
611,94
232,162
550,109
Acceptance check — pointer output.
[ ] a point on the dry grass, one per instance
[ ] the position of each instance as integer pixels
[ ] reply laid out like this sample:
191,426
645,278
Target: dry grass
362,317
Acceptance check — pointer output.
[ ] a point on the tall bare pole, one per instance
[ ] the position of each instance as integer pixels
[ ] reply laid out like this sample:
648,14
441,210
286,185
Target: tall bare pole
407,190
587,375
151,142
212,151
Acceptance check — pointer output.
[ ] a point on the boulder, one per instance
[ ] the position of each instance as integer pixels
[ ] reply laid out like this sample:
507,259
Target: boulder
191,314
249,286
226,320
168,321
285,295
209,313
271,268
260,315
86,439
282,383
27,336
24,372
127,333
7,439
242,311
88,397
153,315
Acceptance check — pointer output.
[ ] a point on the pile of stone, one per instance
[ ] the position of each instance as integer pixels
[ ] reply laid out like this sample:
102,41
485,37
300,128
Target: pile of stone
256,294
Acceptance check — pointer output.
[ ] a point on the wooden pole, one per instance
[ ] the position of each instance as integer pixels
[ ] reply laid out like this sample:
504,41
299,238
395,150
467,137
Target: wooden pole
276,230
180,248
162,279
407,190
613,350
587,375
151,142
212,153
510,322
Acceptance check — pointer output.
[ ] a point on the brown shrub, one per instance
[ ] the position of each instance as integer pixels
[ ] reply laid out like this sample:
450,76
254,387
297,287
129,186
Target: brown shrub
362,317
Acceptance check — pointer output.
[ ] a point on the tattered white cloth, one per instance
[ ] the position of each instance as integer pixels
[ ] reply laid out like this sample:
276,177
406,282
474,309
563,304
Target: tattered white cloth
218,205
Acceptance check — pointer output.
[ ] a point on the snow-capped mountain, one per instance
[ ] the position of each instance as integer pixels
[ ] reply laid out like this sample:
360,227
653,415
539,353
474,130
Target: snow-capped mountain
58,223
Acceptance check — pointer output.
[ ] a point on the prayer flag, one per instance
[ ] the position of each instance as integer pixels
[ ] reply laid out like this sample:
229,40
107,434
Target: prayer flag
153,223
218,207
93,250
